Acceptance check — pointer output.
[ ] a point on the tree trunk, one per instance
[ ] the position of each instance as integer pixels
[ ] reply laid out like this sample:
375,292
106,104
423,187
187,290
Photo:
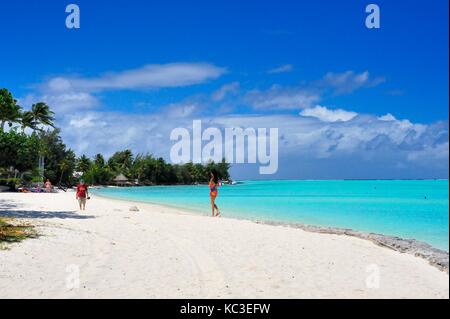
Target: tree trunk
60,178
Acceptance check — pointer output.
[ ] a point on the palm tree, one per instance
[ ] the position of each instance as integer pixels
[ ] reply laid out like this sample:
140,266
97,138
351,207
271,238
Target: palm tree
138,166
42,114
127,160
99,160
27,120
121,162
83,164
63,166
9,110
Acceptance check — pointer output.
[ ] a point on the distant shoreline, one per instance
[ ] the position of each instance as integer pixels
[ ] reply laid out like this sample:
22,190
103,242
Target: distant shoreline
237,182
347,179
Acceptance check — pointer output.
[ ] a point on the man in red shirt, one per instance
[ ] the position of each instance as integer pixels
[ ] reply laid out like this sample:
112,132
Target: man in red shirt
82,194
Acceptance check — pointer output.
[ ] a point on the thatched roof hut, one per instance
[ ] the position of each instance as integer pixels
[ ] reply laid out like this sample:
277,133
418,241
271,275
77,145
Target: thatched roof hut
120,179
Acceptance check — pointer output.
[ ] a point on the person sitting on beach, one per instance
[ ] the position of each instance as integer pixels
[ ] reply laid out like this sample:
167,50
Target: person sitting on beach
48,186
82,194
213,192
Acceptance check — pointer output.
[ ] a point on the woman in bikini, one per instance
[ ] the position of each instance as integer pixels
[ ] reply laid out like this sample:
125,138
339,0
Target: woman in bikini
213,191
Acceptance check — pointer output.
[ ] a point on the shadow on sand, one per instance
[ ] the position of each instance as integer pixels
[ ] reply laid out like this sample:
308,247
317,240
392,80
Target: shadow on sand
8,209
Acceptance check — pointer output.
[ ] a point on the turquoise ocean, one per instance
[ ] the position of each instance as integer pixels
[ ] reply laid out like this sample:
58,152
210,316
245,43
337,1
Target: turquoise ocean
416,209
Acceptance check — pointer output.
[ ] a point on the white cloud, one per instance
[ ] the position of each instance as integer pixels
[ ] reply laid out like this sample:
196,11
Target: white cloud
87,121
349,81
309,94
181,109
63,102
106,132
281,69
316,140
387,117
282,98
308,145
327,115
438,153
147,77
226,89
74,94
362,139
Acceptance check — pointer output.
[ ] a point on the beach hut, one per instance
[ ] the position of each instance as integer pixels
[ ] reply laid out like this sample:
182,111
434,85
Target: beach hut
120,180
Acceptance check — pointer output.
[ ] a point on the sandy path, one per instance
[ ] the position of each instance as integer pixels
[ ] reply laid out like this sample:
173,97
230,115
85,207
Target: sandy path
158,252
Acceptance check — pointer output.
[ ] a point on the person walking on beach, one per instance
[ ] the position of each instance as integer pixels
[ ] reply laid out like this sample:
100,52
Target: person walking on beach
213,192
82,194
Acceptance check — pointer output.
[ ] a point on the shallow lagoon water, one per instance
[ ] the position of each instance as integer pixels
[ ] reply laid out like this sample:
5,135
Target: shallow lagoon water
416,209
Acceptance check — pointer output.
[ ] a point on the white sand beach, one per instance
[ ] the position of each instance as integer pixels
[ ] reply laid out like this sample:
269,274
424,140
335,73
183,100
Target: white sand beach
160,252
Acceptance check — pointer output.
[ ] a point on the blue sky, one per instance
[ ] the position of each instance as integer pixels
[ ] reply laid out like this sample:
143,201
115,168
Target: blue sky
350,102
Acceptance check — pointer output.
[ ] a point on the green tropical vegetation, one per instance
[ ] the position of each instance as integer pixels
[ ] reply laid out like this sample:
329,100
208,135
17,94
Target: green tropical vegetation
146,170
12,231
27,136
